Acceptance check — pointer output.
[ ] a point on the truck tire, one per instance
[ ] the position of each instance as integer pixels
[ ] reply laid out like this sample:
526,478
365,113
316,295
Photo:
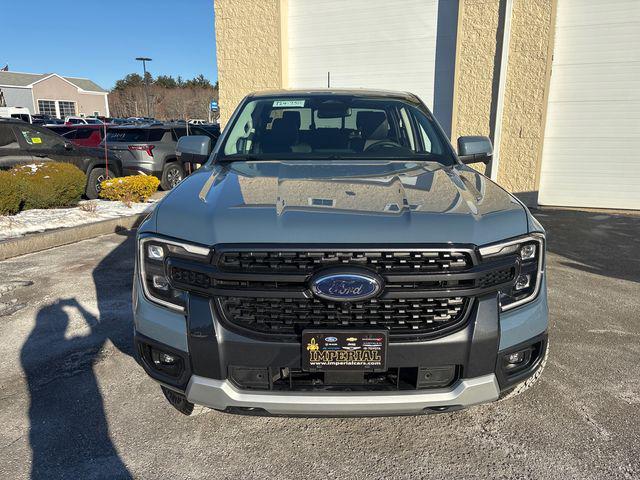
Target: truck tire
96,175
529,382
180,403
172,175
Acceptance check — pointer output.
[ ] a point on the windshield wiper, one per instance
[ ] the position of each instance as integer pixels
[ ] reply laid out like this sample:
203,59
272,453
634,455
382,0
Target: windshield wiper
238,158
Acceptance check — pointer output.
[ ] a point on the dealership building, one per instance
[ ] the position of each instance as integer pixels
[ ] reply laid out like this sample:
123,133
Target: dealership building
554,83
54,95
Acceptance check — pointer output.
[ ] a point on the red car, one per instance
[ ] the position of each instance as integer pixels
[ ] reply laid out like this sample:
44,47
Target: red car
83,135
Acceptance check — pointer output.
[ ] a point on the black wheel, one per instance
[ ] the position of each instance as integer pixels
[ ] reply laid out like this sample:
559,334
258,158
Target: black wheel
172,175
180,403
95,177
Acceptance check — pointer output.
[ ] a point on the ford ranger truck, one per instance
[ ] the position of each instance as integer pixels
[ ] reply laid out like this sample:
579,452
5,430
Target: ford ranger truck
336,256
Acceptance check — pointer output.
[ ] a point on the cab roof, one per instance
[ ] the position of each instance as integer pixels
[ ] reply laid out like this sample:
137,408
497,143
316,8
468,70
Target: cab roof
356,92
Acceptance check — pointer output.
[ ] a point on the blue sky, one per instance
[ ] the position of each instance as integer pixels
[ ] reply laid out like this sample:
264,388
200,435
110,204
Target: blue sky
100,39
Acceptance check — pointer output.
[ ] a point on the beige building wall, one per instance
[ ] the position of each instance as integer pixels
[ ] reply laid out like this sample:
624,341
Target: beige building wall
476,78
251,48
525,100
249,40
56,88
480,33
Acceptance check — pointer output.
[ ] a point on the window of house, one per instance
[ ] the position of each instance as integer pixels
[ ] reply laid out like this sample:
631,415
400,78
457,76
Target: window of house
47,107
67,109
321,202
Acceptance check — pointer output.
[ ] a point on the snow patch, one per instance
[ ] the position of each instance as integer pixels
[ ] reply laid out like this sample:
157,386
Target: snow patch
39,220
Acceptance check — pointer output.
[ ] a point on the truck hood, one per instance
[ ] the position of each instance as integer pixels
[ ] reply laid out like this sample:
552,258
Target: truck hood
375,202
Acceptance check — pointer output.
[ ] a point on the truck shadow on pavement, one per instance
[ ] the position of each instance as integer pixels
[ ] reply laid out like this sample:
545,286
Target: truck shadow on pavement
595,242
69,432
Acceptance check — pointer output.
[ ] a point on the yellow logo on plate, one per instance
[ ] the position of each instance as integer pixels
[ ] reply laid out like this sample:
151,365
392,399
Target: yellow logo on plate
313,346
351,339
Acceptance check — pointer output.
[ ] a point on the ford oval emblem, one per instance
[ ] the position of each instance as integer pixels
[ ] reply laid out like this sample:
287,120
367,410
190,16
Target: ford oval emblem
346,287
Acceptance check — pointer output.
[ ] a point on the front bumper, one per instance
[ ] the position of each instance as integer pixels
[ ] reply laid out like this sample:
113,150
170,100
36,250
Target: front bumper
209,350
223,395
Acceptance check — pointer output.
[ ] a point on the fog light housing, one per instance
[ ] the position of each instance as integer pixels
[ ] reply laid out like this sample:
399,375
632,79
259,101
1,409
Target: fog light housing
515,358
164,362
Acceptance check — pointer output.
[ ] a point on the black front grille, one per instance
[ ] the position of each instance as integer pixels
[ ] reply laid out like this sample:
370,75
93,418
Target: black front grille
266,291
414,261
287,316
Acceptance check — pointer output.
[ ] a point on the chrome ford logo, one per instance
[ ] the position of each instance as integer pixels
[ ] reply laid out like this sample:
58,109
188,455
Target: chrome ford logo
346,287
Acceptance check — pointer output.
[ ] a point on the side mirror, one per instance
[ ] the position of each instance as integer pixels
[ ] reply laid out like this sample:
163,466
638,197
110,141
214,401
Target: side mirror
475,149
193,149
68,146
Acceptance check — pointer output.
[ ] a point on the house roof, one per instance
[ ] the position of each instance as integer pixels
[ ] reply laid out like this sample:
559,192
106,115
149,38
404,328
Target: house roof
20,79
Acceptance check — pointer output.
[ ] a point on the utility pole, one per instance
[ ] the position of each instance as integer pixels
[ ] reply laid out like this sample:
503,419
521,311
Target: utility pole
144,61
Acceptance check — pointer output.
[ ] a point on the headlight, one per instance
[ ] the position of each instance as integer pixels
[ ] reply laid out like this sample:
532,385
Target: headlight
530,252
152,256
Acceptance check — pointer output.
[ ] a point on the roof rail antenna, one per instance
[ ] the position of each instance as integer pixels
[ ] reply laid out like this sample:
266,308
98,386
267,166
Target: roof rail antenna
328,79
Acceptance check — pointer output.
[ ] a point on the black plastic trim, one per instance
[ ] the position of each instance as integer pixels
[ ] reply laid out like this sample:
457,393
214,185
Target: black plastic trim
202,338
180,383
508,380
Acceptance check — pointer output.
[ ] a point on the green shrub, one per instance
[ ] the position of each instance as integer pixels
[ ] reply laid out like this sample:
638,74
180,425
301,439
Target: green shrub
136,188
10,195
51,185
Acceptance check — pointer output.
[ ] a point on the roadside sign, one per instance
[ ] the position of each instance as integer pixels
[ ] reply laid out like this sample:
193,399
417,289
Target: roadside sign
214,105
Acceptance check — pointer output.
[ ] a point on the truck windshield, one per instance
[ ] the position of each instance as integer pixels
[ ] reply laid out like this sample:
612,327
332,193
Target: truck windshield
333,127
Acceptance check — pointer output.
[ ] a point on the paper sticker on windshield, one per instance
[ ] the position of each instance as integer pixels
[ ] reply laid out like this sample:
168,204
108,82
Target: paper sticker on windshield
288,103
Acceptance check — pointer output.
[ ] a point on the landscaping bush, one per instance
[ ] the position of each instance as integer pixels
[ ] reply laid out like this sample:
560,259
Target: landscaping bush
136,188
50,185
10,195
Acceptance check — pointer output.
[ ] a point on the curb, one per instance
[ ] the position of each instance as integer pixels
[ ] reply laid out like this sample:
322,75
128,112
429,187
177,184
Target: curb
43,241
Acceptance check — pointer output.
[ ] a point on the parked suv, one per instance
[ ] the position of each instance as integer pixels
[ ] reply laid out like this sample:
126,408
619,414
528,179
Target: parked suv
82,135
151,150
336,256
22,144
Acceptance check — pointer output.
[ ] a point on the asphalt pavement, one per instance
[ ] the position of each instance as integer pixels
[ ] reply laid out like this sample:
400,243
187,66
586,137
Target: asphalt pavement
75,404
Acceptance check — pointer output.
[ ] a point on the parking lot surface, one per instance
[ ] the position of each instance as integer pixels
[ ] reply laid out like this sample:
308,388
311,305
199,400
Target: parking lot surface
75,404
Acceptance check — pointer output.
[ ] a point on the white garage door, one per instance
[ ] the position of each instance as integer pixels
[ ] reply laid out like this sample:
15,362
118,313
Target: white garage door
407,45
591,154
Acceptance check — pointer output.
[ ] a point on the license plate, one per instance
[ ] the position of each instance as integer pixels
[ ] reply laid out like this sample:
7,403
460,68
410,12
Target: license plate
344,350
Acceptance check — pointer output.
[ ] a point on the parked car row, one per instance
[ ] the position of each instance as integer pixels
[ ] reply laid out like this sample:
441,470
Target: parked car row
148,149
24,144
151,149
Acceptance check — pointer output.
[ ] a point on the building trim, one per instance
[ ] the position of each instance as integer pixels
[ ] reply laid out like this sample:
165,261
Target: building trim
502,83
547,88
54,75
28,87
81,90
284,43
456,74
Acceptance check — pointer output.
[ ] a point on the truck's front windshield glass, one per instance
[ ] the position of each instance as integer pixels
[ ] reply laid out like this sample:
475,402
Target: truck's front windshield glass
334,127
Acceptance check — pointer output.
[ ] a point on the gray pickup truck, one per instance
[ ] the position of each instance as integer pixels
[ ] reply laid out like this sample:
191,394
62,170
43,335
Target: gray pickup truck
336,256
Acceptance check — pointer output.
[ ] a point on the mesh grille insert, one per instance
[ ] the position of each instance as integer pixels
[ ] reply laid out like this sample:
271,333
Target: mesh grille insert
381,261
286,316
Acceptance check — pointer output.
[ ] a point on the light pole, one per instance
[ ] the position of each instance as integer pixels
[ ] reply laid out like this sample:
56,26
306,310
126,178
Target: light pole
144,61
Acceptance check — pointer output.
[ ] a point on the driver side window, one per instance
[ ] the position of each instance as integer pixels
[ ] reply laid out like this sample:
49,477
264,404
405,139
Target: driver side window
37,140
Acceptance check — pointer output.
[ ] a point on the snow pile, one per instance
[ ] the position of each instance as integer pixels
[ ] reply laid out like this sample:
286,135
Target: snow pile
89,211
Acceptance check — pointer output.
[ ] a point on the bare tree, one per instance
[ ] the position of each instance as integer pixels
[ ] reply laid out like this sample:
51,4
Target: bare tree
169,98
